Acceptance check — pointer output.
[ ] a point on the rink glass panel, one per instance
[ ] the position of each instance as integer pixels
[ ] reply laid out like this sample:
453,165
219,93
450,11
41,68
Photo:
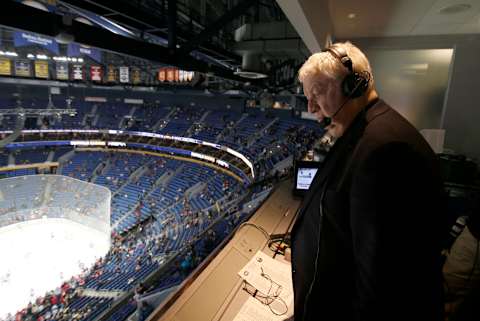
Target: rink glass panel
33,197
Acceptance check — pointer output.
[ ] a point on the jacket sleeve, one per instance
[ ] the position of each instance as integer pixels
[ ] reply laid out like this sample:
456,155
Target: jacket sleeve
396,272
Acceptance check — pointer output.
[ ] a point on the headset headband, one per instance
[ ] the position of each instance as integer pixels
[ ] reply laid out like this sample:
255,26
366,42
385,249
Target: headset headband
355,84
341,55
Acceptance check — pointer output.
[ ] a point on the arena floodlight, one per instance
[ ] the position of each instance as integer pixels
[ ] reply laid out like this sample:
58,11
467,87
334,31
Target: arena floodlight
250,74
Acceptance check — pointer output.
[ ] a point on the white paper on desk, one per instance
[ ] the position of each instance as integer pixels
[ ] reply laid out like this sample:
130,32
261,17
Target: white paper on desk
279,272
253,310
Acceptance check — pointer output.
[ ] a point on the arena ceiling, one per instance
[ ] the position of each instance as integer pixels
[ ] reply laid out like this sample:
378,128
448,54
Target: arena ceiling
221,37
216,37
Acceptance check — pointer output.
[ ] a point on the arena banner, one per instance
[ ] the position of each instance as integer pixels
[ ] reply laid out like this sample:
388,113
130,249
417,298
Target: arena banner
170,74
22,68
21,39
77,72
111,74
124,75
41,69
96,73
136,76
176,75
75,50
5,67
61,70
185,76
162,74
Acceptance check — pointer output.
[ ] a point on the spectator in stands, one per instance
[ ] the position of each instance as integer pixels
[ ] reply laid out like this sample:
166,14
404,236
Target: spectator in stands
186,264
366,244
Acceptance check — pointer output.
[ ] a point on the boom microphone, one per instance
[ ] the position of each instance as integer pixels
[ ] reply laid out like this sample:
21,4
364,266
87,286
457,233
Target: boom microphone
326,121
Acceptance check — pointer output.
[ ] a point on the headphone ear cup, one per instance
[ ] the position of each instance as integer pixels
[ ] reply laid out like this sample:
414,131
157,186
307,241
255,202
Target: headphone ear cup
348,86
354,85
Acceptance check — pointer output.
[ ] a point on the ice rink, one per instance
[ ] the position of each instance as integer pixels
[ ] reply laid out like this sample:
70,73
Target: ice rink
39,254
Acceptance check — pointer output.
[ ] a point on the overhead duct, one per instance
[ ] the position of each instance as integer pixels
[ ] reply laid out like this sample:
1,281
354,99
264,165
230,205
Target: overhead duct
251,40
252,66
272,39
265,45
64,35
265,30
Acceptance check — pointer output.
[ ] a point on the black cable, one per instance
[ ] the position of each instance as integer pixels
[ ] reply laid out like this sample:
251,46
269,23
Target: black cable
268,297
277,242
288,228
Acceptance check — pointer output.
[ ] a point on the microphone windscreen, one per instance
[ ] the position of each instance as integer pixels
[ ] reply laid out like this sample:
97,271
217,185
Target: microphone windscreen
325,122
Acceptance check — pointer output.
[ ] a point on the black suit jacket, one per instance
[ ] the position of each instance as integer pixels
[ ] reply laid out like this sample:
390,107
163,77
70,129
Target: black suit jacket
374,254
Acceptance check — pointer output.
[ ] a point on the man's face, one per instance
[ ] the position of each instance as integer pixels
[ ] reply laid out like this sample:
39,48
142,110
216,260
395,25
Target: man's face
324,96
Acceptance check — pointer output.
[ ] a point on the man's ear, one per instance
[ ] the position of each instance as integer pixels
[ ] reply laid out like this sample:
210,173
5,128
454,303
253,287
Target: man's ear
330,92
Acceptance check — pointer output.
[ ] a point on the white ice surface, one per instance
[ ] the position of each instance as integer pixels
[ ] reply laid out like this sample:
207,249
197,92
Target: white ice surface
36,256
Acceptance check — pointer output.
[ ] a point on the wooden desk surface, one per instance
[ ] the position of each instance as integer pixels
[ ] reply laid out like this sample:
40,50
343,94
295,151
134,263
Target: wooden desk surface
216,294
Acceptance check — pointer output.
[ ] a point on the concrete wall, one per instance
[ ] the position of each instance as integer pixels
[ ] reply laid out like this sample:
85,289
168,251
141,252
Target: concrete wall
461,105
413,81
462,114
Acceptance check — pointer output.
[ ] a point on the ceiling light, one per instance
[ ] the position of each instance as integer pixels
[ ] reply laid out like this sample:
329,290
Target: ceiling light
351,15
416,66
35,4
455,8
64,37
84,20
250,74
415,69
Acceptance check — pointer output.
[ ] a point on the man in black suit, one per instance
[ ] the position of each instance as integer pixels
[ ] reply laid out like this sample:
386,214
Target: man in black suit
366,244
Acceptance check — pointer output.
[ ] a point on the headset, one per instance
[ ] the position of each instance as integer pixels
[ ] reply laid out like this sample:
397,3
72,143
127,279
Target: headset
354,85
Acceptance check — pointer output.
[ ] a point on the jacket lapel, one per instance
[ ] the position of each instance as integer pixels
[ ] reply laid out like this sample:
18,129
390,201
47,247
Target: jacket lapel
337,151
